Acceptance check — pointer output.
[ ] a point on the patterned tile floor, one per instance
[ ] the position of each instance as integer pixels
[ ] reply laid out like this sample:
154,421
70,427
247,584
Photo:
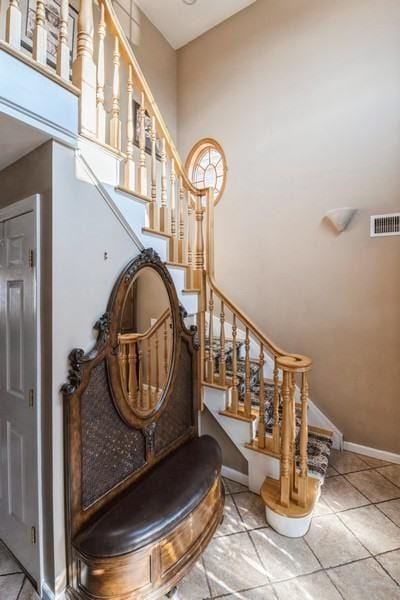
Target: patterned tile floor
352,550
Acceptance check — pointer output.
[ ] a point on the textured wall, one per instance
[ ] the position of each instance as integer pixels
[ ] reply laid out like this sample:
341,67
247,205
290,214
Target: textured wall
304,96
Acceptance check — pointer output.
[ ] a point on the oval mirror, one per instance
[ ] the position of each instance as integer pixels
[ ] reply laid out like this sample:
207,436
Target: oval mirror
145,341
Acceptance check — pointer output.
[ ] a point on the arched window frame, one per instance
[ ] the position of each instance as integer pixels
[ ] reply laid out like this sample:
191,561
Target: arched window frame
194,158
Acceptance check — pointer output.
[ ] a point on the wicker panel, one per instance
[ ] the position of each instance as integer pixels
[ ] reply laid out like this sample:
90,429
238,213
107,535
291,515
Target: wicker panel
111,451
177,418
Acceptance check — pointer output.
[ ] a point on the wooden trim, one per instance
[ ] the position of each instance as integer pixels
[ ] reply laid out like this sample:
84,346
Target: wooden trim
195,151
320,430
156,232
136,195
239,416
271,491
267,450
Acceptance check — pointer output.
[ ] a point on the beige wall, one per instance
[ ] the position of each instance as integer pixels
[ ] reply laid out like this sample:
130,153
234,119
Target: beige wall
156,57
304,96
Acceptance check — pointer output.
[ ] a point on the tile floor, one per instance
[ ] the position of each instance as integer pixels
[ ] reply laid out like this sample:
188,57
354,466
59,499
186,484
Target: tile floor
352,550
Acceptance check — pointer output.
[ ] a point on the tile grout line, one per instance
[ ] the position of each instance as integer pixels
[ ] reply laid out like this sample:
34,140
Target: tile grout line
248,530
387,478
319,562
386,571
206,575
363,494
20,589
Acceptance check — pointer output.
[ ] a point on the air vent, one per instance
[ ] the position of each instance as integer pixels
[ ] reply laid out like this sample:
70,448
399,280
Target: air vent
382,225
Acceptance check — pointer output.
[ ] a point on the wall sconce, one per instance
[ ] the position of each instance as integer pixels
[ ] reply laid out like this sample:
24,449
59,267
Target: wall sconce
339,218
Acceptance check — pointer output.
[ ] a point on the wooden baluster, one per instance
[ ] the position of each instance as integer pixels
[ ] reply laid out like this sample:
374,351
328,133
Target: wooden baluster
181,232
276,442
13,24
142,170
132,372
189,242
84,70
247,390
293,465
157,367
141,391
235,393
100,110
261,423
199,245
115,121
153,207
210,359
39,49
173,239
62,66
149,378
129,164
166,349
163,207
303,478
123,361
285,446
222,343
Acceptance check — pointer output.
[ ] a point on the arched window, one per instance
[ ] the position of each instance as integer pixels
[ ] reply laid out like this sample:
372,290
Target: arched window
206,165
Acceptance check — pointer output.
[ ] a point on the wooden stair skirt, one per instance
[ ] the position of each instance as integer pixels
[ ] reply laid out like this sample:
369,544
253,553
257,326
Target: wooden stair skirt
293,520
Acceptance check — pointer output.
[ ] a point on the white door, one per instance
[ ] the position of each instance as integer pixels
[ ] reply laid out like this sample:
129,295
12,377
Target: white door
18,420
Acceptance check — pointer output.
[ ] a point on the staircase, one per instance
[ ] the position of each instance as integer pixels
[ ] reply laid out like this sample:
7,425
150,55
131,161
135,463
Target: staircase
258,392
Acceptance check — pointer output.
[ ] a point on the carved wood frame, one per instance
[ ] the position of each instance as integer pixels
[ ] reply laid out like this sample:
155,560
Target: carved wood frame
81,366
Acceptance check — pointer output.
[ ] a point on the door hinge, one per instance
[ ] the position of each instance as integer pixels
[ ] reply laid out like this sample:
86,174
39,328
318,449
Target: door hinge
31,258
33,535
31,397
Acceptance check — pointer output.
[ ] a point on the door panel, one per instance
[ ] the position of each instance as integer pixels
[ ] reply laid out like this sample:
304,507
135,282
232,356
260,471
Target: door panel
18,420
15,338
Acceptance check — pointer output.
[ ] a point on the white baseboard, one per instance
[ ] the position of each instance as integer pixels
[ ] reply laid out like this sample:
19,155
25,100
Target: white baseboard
47,594
235,475
372,452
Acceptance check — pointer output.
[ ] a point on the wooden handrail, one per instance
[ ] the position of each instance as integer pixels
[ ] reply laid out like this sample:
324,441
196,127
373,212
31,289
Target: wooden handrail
126,338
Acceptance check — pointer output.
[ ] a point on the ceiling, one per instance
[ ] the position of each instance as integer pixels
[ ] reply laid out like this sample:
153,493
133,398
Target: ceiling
17,139
180,23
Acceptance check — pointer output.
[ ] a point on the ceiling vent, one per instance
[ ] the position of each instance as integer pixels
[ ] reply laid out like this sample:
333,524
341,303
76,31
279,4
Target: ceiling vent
382,225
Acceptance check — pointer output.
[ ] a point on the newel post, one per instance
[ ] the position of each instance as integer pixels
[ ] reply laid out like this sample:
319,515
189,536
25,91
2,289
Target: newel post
84,69
198,244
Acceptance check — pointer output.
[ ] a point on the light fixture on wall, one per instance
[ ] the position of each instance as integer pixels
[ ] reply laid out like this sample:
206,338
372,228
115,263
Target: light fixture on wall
340,218
189,2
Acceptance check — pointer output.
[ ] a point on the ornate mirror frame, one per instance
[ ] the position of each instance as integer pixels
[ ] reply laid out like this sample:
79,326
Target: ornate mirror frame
97,415
147,260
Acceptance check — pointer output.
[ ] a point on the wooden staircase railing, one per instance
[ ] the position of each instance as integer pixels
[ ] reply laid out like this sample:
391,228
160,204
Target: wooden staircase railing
144,362
151,169
288,370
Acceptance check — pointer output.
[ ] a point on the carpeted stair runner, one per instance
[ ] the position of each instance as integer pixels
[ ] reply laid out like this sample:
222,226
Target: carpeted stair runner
319,445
